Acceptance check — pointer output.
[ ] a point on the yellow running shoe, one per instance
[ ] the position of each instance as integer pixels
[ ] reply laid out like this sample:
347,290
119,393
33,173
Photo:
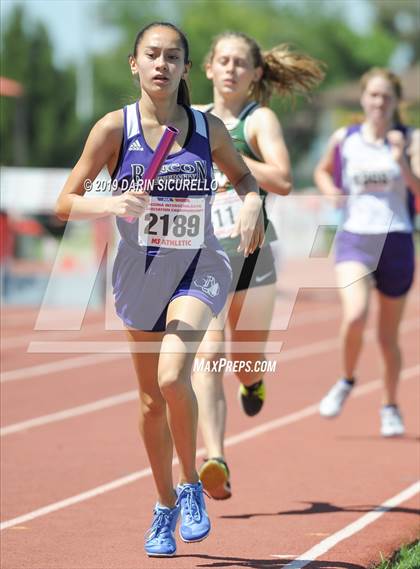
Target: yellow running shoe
252,397
215,477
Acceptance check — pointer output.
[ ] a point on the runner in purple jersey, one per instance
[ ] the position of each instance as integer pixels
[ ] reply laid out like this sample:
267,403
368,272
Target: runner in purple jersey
176,235
376,165
170,276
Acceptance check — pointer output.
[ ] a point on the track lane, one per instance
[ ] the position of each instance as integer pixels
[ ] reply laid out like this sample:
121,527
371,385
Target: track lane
69,442
283,513
80,530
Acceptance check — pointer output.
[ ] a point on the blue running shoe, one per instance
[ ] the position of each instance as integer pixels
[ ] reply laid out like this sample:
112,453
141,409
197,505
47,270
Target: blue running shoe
195,523
160,541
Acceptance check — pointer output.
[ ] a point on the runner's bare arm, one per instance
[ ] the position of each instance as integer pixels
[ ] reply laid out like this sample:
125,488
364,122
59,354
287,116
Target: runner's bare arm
228,160
250,224
101,149
265,135
324,170
410,168
414,152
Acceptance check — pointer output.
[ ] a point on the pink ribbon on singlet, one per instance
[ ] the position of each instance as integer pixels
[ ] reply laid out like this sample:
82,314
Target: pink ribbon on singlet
159,157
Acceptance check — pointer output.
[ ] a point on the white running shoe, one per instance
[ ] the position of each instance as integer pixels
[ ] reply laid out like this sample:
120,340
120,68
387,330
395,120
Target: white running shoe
333,402
391,422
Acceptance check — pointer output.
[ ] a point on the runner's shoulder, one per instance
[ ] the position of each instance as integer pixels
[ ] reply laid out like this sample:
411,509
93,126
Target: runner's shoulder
261,120
110,127
338,136
203,108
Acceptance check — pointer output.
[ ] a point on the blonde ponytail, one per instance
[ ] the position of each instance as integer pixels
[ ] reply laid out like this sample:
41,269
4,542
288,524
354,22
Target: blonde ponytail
285,72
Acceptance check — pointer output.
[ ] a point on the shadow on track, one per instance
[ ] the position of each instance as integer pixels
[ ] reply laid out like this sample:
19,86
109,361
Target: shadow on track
323,508
222,561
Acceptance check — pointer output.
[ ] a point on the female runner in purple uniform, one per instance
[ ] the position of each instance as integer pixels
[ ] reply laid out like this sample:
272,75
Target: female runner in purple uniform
376,164
170,275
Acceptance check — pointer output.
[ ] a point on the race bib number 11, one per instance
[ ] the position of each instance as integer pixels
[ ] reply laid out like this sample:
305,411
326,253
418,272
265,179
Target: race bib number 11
174,223
225,212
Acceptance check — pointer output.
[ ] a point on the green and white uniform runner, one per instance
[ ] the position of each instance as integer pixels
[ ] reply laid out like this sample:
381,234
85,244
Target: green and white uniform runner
227,203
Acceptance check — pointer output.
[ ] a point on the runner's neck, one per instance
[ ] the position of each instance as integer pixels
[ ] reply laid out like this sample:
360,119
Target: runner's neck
375,133
228,110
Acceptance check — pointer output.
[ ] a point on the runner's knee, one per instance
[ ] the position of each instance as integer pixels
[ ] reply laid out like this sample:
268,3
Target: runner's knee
172,382
356,321
151,407
211,351
387,340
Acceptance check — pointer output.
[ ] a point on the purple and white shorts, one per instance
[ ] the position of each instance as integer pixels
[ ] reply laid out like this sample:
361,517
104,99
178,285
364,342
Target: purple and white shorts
390,257
144,285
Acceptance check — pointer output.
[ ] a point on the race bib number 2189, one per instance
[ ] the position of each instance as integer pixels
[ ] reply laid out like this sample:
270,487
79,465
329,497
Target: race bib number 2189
174,223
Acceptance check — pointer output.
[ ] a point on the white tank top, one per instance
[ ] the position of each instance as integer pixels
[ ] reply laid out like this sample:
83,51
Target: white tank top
378,198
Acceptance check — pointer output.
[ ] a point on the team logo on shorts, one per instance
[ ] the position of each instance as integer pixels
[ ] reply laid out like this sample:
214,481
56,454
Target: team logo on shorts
208,284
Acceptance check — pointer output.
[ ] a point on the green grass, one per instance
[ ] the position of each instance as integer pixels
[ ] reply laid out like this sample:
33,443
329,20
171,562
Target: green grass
408,557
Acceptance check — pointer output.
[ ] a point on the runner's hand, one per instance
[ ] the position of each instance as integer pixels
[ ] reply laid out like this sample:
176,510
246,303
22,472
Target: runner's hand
130,204
337,200
250,225
397,143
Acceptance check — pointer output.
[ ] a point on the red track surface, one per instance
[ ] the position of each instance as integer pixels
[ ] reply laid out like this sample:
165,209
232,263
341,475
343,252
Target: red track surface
296,482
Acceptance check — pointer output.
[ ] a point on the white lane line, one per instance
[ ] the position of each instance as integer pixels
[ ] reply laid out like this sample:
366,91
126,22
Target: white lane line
230,441
60,365
331,343
71,412
89,359
406,374
288,355
302,319
77,498
11,319
123,347
331,541
12,342
16,341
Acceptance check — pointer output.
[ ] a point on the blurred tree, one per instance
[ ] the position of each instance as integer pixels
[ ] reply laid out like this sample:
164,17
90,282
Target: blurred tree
114,84
401,19
307,26
44,121
248,17
41,127
317,27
